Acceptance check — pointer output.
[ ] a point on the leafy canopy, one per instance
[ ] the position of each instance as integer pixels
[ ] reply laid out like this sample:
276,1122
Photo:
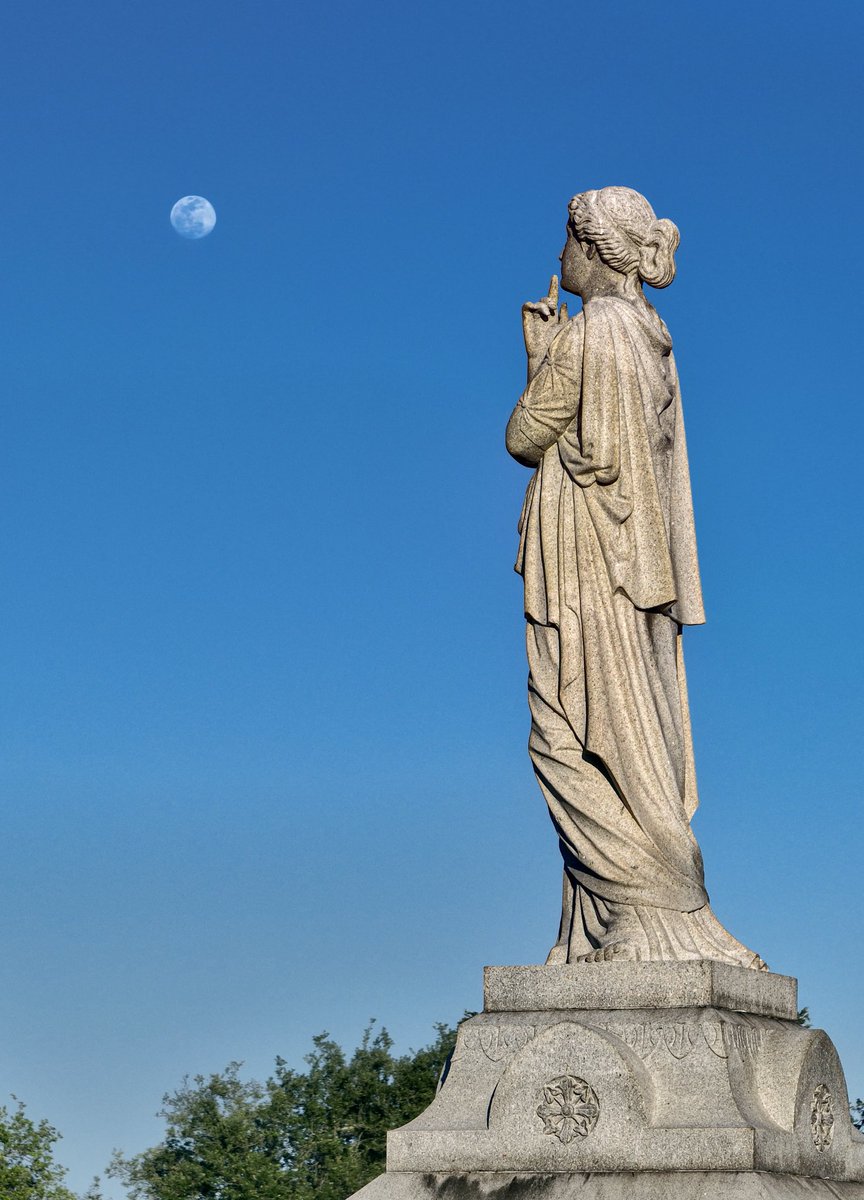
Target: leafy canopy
317,1134
27,1167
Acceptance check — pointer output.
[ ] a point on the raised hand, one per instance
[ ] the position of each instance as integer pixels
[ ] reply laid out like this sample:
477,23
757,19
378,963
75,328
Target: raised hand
541,320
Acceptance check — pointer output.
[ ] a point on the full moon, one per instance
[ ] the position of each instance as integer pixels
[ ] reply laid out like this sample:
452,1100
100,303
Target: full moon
193,217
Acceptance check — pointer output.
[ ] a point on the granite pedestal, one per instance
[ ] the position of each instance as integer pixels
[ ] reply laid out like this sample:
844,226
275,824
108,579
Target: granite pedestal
607,1081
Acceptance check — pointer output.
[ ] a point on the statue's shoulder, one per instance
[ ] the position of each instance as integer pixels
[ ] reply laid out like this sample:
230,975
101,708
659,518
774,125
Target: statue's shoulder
607,306
615,317
569,337
606,316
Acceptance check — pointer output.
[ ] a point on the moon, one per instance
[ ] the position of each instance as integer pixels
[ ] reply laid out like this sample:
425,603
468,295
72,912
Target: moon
193,217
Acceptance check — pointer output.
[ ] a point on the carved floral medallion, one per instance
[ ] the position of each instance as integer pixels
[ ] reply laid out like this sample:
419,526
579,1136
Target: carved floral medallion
570,1108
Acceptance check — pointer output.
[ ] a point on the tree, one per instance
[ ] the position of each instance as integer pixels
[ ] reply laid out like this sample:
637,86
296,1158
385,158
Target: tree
317,1134
314,1134
27,1167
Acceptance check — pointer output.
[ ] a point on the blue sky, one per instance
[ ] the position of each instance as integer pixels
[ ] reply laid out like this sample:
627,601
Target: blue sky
263,711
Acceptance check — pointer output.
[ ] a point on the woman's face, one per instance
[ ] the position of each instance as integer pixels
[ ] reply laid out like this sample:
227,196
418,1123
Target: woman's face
585,274
575,265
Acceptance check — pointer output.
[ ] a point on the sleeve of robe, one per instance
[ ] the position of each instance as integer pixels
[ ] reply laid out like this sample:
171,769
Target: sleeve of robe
551,400
590,445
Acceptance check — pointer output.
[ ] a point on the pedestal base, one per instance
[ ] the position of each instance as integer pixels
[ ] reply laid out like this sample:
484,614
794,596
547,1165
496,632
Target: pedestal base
632,1185
643,1080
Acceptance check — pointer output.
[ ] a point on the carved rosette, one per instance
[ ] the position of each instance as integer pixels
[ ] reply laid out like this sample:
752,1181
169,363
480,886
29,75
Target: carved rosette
822,1118
570,1108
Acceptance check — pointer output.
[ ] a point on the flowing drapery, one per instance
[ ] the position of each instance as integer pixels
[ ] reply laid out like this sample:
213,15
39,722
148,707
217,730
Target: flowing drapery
608,557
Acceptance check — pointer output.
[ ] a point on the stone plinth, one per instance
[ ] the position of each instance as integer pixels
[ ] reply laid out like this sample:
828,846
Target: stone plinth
640,985
642,1080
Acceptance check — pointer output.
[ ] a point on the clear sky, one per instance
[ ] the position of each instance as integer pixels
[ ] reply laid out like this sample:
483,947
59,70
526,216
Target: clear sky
263,705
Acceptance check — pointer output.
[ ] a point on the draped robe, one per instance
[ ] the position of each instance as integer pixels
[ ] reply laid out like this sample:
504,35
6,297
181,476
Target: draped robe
608,556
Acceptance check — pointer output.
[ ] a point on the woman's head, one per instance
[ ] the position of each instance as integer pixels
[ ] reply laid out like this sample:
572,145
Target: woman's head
619,225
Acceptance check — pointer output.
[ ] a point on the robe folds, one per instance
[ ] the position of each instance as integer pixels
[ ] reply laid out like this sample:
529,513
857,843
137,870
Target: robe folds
608,556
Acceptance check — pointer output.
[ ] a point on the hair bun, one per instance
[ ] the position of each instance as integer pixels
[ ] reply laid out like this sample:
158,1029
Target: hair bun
657,254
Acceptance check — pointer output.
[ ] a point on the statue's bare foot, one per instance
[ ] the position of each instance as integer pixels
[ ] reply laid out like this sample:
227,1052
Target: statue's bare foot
624,939
664,935
620,951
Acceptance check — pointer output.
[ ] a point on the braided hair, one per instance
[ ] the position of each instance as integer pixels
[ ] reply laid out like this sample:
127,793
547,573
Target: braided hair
623,227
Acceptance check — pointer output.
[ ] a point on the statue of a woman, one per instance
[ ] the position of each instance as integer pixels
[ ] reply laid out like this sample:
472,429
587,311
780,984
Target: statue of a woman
608,557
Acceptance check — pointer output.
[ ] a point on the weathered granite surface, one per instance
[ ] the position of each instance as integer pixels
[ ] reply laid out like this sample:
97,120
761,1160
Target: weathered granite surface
615,1075
607,553
624,1185
640,985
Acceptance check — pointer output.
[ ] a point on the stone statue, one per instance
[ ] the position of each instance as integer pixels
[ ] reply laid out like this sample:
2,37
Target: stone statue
646,1060
608,558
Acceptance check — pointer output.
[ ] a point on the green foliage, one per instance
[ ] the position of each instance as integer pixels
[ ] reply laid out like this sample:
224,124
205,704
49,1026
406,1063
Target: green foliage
27,1167
803,1017
216,1144
317,1134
